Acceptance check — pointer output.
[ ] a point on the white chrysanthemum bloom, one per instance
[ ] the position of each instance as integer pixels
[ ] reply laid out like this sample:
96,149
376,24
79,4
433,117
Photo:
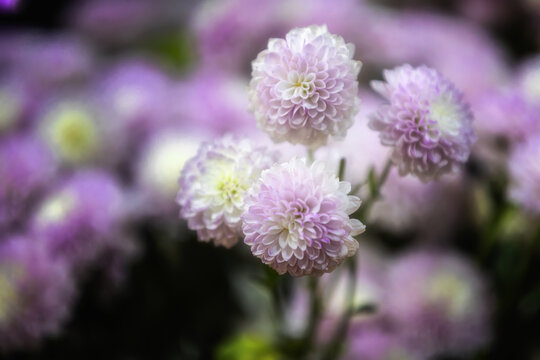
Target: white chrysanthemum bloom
213,185
297,219
73,132
304,88
163,160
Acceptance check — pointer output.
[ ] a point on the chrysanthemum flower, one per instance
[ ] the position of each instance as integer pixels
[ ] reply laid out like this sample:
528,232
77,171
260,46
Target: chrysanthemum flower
213,186
35,293
426,122
440,302
76,131
524,168
81,218
162,160
297,219
26,166
304,87
135,94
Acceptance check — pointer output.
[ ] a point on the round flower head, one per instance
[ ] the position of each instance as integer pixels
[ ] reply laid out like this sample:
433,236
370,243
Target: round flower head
304,88
426,122
35,293
25,168
213,186
162,160
524,165
440,302
297,219
135,95
81,218
76,131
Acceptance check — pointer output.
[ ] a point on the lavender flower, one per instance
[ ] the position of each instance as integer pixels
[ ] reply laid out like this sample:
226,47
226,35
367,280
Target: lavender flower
76,132
81,218
506,114
136,96
35,293
304,88
213,186
440,303
524,169
25,168
426,122
297,219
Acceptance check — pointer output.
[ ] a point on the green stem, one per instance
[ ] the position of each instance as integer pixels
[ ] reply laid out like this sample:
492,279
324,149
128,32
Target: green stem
341,171
315,308
375,191
335,345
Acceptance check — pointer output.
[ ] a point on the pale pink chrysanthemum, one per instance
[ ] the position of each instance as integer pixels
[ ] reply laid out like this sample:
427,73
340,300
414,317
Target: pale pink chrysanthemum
426,121
304,88
213,186
524,168
297,219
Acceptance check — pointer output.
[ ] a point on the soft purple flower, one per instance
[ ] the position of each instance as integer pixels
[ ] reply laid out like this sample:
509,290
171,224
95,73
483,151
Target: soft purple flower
136,97
52,61
78,131
426,121
440,302
36,293
304,88
403,208
26,166
462,51
378,344
297,219
214,101
81,218
524,166
213,186
505,114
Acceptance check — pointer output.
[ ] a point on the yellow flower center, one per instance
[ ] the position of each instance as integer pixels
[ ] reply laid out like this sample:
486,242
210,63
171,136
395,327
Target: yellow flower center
73,134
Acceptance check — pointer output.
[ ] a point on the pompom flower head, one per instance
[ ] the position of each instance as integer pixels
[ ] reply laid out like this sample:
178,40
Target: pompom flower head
80,220
297,219
35,293
213,186
304,88
440,301
426,122
525,174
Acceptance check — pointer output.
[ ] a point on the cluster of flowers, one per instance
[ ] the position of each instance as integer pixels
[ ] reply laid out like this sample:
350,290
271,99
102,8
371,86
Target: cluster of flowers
295,216
84,165
429,303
